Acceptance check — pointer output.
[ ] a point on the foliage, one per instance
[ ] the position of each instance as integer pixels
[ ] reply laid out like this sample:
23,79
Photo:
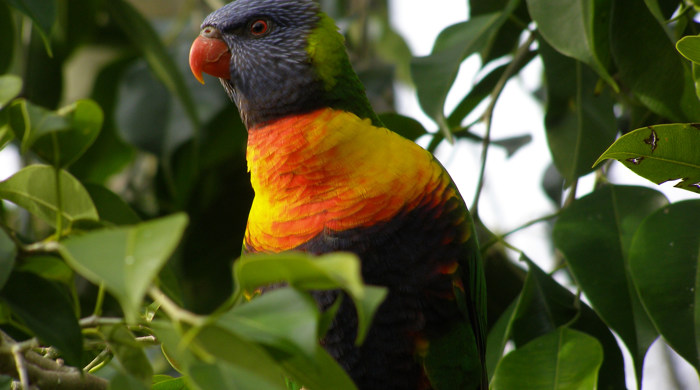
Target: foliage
118,235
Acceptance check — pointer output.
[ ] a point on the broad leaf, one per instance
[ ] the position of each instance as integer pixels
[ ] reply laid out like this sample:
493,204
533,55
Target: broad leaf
122,381
164,382
8,251
10,87
545,305
649,65
564,359
664,258
580,122
577,29
434,74
59,137
407,127
34,189
48,267
43,14
30,296
661,153
111,207
689,47
129,352
144,37
594,234
333,271
125,259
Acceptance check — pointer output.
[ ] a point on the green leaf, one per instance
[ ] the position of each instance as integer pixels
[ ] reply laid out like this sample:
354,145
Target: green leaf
689,47
544,305
664,258
7,38
125,259
123,381
580,122
142,35
6,134
327,272
43,14
563,360
8,251
434,74
661,153
649,65
238,364
29,296
594,233
10,87
129,353
164,382
407,127
34,189
110,206
578,29
48,267
286,322
59,137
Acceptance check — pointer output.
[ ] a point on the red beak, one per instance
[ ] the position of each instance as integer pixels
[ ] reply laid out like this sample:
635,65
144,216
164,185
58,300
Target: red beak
211,56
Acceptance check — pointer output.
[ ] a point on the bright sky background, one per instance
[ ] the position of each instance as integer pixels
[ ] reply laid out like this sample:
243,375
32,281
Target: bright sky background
512,193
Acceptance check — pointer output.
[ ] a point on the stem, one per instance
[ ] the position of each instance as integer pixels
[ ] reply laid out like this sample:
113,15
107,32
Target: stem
100,300
501,237
175,312
488,114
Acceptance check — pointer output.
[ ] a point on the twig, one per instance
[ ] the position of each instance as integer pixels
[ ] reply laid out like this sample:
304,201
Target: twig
175,312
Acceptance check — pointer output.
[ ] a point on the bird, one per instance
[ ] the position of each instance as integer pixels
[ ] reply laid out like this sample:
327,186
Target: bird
329,176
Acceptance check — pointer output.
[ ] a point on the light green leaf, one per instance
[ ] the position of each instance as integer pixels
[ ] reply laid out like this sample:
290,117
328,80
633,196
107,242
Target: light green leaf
332,271
164,382
578,29
562,360
34,189
434,74
661,153
6,134
59,137
125,259
580,122
123,381
689,47
664,258
594,233
142,35
43,14
10,87
46,309
649,65
48,267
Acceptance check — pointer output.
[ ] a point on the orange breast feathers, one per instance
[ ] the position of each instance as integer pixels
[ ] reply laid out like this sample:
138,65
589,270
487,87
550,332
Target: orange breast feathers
330,170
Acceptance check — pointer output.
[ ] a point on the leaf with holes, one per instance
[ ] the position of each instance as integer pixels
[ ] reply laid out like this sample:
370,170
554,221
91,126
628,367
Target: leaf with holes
661,153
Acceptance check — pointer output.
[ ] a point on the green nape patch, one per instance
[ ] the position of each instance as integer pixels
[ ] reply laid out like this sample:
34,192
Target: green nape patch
327,49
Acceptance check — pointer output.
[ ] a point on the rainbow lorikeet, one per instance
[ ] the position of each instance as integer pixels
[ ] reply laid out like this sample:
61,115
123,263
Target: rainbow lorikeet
329,177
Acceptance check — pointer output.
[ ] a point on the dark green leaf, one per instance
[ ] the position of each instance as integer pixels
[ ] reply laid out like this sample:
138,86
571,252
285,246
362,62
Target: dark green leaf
403,125
661,153
43,14
433,75
125,259
577,29
580,123
123,381
7,38
594,234
34,189
142,35
562,359
664,258
8,251
498,336
332,271
29,296
649,65
129,353
6,133
10,87
110,206
545,305
689,47
48,267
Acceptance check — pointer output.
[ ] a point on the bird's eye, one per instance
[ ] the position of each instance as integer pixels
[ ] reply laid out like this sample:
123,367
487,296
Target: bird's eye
259,27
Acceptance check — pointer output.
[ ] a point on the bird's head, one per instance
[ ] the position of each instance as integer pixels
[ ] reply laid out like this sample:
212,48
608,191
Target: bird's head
277,58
